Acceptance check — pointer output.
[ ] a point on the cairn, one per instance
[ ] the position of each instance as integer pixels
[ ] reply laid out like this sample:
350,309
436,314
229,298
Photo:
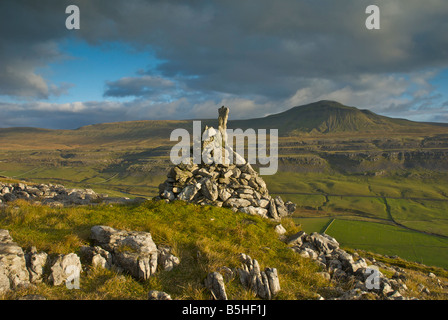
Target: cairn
233,184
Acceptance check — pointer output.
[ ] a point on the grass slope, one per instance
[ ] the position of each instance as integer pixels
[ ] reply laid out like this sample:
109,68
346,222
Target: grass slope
204,238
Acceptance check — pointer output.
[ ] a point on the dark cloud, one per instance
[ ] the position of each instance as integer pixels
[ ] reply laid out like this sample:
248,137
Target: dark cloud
262,55
147,86
29,31
266,47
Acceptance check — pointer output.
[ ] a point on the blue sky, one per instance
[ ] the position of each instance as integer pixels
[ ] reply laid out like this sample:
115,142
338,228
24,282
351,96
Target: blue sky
89,67
150,59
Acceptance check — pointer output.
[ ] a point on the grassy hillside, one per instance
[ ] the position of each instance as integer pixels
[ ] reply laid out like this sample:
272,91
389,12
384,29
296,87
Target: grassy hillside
205,239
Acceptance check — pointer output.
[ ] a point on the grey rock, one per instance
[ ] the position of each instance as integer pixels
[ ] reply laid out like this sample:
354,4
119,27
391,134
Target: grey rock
236,185
140,266
263,203
236,203
133,251
357,265
97,257
264,284
166,194
36,262
166,259
395,296
291,207
236,173
254,211
4,279
281,208
297,239
215,283
273,210
323,242
188,193
9,197
263,290
12,264
224,194
247,168
274,283
209,189
179,175
227,273
308,253
158,295
279,229
63,267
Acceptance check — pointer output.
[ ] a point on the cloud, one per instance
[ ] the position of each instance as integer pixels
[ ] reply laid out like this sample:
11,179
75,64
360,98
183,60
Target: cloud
149,86
258,56
28,41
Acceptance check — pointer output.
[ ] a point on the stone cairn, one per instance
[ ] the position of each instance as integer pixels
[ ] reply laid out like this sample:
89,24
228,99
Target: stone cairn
232,184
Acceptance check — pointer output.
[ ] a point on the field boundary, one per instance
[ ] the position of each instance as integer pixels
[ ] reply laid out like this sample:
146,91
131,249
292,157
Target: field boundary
328,225
359,196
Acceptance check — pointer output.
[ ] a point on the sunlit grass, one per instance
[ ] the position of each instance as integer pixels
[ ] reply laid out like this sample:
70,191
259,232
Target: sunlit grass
205,239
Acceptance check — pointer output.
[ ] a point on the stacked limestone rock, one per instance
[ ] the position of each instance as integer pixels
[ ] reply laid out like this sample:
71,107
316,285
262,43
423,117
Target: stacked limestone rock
231,183
234,186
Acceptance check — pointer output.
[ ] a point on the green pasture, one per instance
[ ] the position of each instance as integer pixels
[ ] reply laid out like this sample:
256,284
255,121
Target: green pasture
391,240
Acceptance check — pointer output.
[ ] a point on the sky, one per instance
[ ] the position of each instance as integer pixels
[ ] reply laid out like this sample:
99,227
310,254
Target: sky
181,59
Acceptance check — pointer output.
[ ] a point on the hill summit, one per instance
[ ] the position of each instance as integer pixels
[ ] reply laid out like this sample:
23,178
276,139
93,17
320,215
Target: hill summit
328,117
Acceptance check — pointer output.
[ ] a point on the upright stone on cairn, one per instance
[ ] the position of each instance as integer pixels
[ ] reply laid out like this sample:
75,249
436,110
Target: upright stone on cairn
222,124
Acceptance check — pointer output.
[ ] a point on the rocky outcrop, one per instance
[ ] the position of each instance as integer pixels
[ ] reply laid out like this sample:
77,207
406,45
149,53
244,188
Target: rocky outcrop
124,251
56,195
341,266
215,283
13,271
131,251
265,284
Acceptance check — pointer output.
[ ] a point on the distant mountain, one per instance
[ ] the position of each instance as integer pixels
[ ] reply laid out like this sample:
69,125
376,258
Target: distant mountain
331,117
322,117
